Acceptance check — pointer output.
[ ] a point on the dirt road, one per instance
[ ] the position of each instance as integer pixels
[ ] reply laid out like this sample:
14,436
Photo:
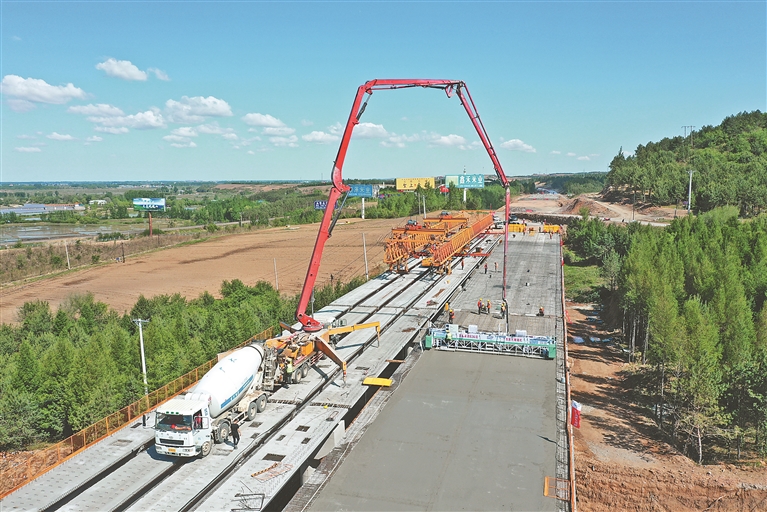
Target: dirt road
621,463
193,269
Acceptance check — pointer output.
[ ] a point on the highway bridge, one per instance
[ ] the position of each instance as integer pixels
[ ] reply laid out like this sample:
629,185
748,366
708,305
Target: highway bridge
467,426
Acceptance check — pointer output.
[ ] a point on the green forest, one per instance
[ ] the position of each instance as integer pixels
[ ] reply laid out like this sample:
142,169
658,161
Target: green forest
729,163
279,207
62,370
691,301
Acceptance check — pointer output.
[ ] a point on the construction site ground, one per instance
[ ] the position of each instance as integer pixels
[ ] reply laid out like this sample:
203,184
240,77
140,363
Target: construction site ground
622,462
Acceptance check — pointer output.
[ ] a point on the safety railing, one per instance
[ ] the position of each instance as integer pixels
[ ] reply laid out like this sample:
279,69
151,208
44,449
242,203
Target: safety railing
46,459
570,441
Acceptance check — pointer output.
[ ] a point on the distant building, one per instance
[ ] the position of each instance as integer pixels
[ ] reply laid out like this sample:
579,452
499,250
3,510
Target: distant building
99,202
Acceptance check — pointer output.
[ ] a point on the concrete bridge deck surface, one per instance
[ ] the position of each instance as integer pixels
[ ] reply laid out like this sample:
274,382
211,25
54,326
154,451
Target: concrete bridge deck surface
467,431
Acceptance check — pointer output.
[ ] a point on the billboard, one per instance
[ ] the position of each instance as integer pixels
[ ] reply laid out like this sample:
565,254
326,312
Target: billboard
413,183
466,180
361,191
145,204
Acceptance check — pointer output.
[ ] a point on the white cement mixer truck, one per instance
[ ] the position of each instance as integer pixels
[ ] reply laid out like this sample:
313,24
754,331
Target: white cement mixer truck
237,388
188,425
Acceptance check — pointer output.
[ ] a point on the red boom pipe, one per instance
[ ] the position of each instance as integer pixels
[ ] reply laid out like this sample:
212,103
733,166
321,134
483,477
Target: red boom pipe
338,187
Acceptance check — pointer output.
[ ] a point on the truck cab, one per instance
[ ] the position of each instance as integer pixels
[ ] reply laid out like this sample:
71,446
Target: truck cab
183,428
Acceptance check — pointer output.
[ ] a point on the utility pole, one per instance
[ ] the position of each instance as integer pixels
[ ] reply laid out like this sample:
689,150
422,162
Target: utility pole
689,192
365,252
140,324
464,182
276,281
692,147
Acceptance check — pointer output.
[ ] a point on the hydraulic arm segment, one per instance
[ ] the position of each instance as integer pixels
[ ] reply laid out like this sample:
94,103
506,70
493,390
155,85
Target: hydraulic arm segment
338,187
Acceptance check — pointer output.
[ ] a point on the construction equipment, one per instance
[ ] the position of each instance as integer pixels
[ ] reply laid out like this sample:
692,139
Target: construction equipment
236,389
441,254
338,187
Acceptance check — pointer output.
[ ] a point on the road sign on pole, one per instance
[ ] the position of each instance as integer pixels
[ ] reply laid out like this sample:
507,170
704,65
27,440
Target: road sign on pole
361,191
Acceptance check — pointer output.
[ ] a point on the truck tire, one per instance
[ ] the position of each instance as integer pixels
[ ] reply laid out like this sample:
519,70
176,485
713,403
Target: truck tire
223,432
297,375
252,410
261,403
305,370
207,447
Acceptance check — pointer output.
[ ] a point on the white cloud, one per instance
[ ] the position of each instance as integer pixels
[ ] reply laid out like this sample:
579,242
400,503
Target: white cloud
230,136
306,122
58,136
265,120
101,109
28,150
251,153
175,138
448,140
160,74
185,131
555,152
124,69
320,137
627,154
141,121
114,131
284,141
399,141
95,138
18,105
26,137
584,158
336,129
518,145
370,131
16,38
213,129
39,91
196,109
571,154
282,130
189,144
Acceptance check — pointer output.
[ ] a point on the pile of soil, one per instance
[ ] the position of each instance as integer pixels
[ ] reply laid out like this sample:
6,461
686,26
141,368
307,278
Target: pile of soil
621,460
574,206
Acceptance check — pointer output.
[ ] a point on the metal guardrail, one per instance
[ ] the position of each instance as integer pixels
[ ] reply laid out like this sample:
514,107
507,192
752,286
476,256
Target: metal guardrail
571,447
46,459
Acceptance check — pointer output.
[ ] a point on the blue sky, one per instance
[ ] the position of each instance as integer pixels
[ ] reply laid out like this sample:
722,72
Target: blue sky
258,90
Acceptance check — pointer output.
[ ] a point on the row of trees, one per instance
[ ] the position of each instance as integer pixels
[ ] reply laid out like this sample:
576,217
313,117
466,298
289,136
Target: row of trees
62,371
691,299
729,160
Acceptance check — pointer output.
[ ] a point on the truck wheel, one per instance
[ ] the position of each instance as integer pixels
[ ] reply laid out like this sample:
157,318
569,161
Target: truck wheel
207,446
223,432
297,375
261,403
305,370
252,410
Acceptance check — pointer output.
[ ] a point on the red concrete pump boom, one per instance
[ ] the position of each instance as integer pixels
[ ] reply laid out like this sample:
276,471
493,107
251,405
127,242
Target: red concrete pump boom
339,187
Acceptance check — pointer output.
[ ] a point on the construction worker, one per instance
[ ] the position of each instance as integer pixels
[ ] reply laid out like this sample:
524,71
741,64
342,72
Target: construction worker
485,267
540,311
452,316
288,373
461,263
496,265
235,434
488,306
503,308
479,306
447,307
448,336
